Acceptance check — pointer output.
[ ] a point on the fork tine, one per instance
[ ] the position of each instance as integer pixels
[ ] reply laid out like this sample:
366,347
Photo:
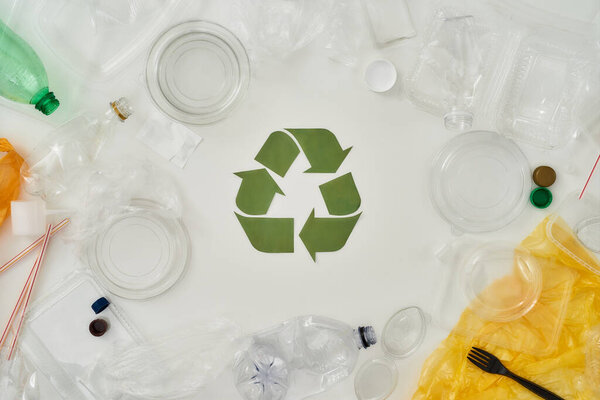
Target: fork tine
485,353
477,363
478,357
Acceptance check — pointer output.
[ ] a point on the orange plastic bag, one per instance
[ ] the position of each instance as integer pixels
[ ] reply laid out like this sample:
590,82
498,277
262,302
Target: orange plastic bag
447,375
10,178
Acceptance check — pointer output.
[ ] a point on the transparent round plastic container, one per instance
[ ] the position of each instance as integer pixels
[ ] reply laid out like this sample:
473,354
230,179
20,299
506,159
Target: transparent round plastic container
197,72
141,253
480,182
501,283
402,335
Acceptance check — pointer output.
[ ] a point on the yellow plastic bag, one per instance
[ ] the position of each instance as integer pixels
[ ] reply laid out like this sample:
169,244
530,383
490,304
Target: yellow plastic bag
447,374
10,178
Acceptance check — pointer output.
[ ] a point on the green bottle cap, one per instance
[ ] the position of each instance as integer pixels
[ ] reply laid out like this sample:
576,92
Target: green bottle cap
540,197
45,101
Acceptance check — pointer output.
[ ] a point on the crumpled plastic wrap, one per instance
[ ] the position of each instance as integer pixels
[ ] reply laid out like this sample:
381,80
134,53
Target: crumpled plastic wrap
447,374
10,177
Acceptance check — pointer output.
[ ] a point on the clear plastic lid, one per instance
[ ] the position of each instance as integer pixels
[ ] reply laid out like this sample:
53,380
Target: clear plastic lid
141,253
480,181
404,332
376,379
197,72
582,216
501,283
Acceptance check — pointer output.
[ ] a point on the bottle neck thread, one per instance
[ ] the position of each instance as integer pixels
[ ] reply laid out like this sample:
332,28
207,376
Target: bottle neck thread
45,101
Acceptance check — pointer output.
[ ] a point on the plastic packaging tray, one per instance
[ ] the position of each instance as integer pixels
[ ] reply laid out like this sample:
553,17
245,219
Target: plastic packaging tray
56,337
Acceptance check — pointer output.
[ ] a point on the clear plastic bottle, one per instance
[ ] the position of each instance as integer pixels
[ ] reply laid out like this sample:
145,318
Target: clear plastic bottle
22,75
57,165
299,358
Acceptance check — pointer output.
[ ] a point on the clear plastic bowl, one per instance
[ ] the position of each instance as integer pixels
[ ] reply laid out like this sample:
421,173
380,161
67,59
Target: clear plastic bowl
197,72
141,253
480,181
502,284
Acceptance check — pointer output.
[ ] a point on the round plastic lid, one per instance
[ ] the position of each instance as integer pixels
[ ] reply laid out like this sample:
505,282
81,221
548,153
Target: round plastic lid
404,332
501,283
541,197
197,72
480,181
380,75
141,253
376,379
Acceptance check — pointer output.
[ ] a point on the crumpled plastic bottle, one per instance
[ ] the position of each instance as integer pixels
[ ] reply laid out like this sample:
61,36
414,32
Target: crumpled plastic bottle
299,358
10,178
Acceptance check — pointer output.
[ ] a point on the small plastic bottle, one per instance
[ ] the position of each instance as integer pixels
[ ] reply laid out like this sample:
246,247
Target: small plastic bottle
22,75
299,358
57,165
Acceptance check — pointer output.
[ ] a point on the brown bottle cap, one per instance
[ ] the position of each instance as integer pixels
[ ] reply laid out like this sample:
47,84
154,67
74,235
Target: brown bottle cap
98,327
544,176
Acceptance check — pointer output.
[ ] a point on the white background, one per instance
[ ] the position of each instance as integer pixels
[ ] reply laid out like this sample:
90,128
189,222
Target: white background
388,262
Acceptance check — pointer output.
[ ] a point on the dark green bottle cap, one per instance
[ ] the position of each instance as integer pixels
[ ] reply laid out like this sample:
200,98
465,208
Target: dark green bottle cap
45,101
541,197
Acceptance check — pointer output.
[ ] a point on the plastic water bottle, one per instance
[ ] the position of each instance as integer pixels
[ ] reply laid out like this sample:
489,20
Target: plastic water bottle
299,358
22,75
56,168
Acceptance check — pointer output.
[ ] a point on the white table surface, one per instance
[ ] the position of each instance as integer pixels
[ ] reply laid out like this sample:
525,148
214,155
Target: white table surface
388,262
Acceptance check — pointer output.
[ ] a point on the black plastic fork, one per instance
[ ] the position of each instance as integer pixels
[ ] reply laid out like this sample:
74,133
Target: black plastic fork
491,364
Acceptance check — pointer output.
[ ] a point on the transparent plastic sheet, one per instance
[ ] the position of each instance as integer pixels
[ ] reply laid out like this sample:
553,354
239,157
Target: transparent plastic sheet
110,189
170,367
448,375
103,35
18,379
277,28
10,177
347,32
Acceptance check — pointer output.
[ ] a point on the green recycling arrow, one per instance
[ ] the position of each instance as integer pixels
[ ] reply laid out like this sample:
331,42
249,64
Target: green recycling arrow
326,234
256,191
269,235
278,153
340,195
322,149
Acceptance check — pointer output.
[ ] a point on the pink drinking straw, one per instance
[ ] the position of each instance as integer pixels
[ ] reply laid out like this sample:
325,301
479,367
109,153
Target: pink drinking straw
589,177
32,246
27,290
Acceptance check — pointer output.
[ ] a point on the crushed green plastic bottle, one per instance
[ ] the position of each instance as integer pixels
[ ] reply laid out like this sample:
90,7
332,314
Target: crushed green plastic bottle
22,75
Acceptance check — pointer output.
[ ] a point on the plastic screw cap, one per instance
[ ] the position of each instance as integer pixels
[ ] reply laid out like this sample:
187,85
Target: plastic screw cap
544,176
541,197
381,76
100,305
98,327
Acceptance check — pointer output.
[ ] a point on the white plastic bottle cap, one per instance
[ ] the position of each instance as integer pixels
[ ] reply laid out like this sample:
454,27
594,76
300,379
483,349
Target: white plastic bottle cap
28,217
381,75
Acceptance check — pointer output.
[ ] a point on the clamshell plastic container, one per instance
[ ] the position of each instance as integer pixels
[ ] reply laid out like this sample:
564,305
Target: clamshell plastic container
582,216
500,291
57,340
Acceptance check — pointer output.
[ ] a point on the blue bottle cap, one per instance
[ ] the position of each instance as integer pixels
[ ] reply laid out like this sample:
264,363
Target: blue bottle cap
100,305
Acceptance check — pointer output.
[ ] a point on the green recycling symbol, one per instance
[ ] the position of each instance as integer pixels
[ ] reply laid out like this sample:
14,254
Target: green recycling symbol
258,189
